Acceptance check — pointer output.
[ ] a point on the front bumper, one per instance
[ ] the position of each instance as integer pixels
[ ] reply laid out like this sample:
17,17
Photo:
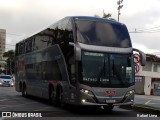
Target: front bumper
113,104
6,85
102,101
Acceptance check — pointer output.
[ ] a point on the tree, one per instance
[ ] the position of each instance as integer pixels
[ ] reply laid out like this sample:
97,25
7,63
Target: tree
108,15
10,61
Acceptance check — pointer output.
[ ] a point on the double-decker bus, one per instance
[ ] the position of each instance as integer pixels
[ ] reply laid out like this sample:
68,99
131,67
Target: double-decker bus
78,60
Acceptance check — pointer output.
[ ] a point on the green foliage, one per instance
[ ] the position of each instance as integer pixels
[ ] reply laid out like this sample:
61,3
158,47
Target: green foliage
9,54
108,15
10,61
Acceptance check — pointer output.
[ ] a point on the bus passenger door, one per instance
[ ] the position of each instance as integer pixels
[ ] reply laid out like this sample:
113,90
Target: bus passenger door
38,79
72,79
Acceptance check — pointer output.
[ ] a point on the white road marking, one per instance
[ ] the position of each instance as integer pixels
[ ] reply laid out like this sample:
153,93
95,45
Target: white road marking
147,102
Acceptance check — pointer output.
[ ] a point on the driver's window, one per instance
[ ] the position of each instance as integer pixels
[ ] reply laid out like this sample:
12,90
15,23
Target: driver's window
72,71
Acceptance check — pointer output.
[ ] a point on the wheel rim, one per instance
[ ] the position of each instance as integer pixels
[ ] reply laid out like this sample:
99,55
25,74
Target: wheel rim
52,95
61,97
25,91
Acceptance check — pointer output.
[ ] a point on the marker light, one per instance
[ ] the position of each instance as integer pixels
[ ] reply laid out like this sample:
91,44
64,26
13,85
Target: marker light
129,93
83,100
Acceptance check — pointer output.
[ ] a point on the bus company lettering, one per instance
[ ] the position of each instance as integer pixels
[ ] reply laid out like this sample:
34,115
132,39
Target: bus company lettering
110,92
21,64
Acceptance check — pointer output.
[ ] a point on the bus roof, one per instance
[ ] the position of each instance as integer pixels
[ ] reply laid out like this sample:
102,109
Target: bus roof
94,18
110,20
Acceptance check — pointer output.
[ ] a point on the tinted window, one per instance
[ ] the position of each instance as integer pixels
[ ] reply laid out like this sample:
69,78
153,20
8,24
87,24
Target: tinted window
102,33
106,70
5,77
59,33
51,71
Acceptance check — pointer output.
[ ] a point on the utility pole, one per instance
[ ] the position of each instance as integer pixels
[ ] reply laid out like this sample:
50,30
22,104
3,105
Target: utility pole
10,66
119,2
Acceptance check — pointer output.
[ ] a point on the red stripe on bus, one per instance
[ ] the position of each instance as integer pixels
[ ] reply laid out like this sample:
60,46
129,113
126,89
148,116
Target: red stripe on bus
54,81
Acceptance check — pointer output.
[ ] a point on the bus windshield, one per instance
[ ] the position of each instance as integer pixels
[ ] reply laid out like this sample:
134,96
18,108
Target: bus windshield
102,33
106,70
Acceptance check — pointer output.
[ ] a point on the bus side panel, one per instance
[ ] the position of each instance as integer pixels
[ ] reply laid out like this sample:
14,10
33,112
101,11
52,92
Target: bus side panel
19,73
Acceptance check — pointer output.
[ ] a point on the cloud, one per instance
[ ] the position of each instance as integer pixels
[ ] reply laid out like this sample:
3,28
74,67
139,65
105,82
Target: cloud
143,48
25,17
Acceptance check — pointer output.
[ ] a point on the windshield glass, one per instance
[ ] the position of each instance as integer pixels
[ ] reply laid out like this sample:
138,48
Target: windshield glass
102,33
106,70
5,77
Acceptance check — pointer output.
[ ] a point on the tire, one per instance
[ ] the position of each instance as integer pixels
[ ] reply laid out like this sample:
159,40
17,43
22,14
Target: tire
60,98
24,91
108,108
52,97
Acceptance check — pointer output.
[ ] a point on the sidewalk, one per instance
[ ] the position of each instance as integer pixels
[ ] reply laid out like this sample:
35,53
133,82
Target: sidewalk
147,102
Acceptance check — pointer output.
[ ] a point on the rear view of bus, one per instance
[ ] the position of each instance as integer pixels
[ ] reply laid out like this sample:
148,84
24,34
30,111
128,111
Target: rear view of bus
105,66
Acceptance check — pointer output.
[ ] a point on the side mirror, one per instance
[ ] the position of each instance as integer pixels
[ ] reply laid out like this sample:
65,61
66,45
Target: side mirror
71,44
142,56
77,49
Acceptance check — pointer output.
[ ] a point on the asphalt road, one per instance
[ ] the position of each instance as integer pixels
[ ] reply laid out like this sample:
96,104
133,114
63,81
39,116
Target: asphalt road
12,101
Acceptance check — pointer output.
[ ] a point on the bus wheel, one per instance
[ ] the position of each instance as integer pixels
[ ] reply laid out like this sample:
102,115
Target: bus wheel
24,91
52,98
61,101
108,108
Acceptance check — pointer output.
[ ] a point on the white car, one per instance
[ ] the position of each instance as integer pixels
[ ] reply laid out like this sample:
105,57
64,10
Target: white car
6,80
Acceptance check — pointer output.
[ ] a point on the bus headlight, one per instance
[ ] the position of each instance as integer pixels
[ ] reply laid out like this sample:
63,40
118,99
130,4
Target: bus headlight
1,82
83,100
129,93
87,92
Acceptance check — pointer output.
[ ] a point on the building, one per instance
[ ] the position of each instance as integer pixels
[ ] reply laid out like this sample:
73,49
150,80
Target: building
147,78
2,42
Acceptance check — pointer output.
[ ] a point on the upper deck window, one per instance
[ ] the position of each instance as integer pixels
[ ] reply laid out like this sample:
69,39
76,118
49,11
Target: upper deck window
102,33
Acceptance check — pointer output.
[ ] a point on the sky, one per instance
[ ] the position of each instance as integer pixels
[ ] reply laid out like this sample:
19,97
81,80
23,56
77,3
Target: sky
22,18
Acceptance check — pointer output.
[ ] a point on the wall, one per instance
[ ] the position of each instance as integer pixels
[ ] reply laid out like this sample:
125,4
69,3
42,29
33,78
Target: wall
148,72
147,85
139,84
2,41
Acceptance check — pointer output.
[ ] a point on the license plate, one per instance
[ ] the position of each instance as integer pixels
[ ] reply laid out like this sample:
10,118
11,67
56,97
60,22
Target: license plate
6,84
110,101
